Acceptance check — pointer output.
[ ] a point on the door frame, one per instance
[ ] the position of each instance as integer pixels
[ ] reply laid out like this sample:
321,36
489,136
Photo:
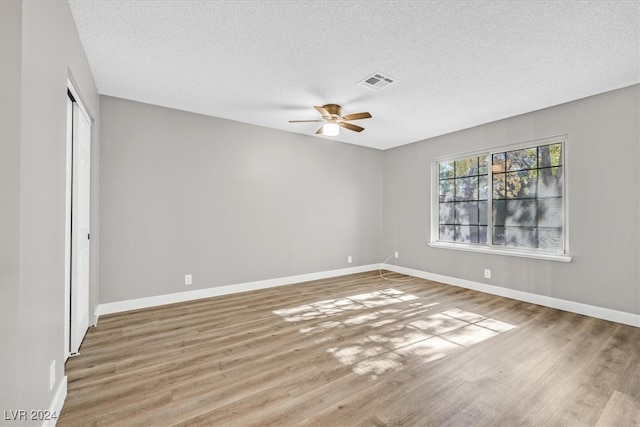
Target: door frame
72,98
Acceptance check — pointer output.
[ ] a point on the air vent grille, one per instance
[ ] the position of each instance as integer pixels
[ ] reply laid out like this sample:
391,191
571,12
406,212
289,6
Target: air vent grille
377,81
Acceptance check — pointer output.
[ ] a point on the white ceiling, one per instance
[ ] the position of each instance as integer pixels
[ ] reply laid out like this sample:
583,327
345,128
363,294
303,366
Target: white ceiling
456,64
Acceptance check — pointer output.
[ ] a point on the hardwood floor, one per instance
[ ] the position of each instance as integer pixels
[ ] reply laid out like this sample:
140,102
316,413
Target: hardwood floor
355,351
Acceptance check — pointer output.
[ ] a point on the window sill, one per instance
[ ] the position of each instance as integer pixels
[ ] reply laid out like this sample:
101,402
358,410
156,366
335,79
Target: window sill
498,251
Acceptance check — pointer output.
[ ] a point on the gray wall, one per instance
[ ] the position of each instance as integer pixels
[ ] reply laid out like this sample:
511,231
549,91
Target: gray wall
40,50
231,203
227,202
10,59
602,192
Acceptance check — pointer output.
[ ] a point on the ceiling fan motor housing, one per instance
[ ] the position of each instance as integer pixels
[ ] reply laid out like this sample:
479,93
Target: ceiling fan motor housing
333,109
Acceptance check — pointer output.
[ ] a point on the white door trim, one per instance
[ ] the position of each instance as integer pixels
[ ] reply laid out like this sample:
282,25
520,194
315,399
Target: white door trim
74,107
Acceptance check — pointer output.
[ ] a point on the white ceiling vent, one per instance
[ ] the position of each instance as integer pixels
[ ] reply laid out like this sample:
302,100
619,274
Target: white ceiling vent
377,81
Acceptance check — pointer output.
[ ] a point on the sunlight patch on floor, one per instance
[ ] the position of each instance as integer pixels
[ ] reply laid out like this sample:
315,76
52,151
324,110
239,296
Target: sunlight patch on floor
412,337
322,309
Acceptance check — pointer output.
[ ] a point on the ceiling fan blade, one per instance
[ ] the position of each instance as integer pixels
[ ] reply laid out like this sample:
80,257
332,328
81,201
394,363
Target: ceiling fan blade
320,131
358,116
304,121
323,112
351,127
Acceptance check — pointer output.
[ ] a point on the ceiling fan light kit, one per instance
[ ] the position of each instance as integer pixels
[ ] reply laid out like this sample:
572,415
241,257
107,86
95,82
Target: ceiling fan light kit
334,120
330,129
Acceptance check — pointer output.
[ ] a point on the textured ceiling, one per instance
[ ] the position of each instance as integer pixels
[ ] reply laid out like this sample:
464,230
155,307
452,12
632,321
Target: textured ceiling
456,64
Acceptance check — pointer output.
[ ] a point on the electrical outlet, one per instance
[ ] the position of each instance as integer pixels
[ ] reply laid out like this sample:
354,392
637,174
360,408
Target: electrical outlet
487,273
188,279
349,259
52,375
396,255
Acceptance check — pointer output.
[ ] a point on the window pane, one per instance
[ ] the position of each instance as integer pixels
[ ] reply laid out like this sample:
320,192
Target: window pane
473,234
467,167
483,187
550,155
522,184
482,165
447,190
468,233
447,233
499,186
447,213
522,159
550,213
550,238
499,212
445,170
498,236
467,213
498,162
482,235
482,212
550,182
466,188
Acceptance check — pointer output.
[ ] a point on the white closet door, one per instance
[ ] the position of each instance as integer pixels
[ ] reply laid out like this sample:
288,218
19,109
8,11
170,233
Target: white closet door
80,227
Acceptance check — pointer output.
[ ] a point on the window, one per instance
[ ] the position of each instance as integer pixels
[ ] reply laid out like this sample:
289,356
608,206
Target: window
463,200
510,199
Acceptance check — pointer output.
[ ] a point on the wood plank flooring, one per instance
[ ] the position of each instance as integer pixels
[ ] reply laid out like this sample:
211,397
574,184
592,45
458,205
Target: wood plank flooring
356,350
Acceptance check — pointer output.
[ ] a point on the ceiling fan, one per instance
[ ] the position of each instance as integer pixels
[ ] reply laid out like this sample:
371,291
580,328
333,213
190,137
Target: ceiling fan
333,120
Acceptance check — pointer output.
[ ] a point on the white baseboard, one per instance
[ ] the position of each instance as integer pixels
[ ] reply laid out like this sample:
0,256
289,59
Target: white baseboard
135,304
571,306
57,403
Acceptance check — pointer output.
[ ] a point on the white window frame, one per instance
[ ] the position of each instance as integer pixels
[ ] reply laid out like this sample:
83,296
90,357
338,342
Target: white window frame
561,255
